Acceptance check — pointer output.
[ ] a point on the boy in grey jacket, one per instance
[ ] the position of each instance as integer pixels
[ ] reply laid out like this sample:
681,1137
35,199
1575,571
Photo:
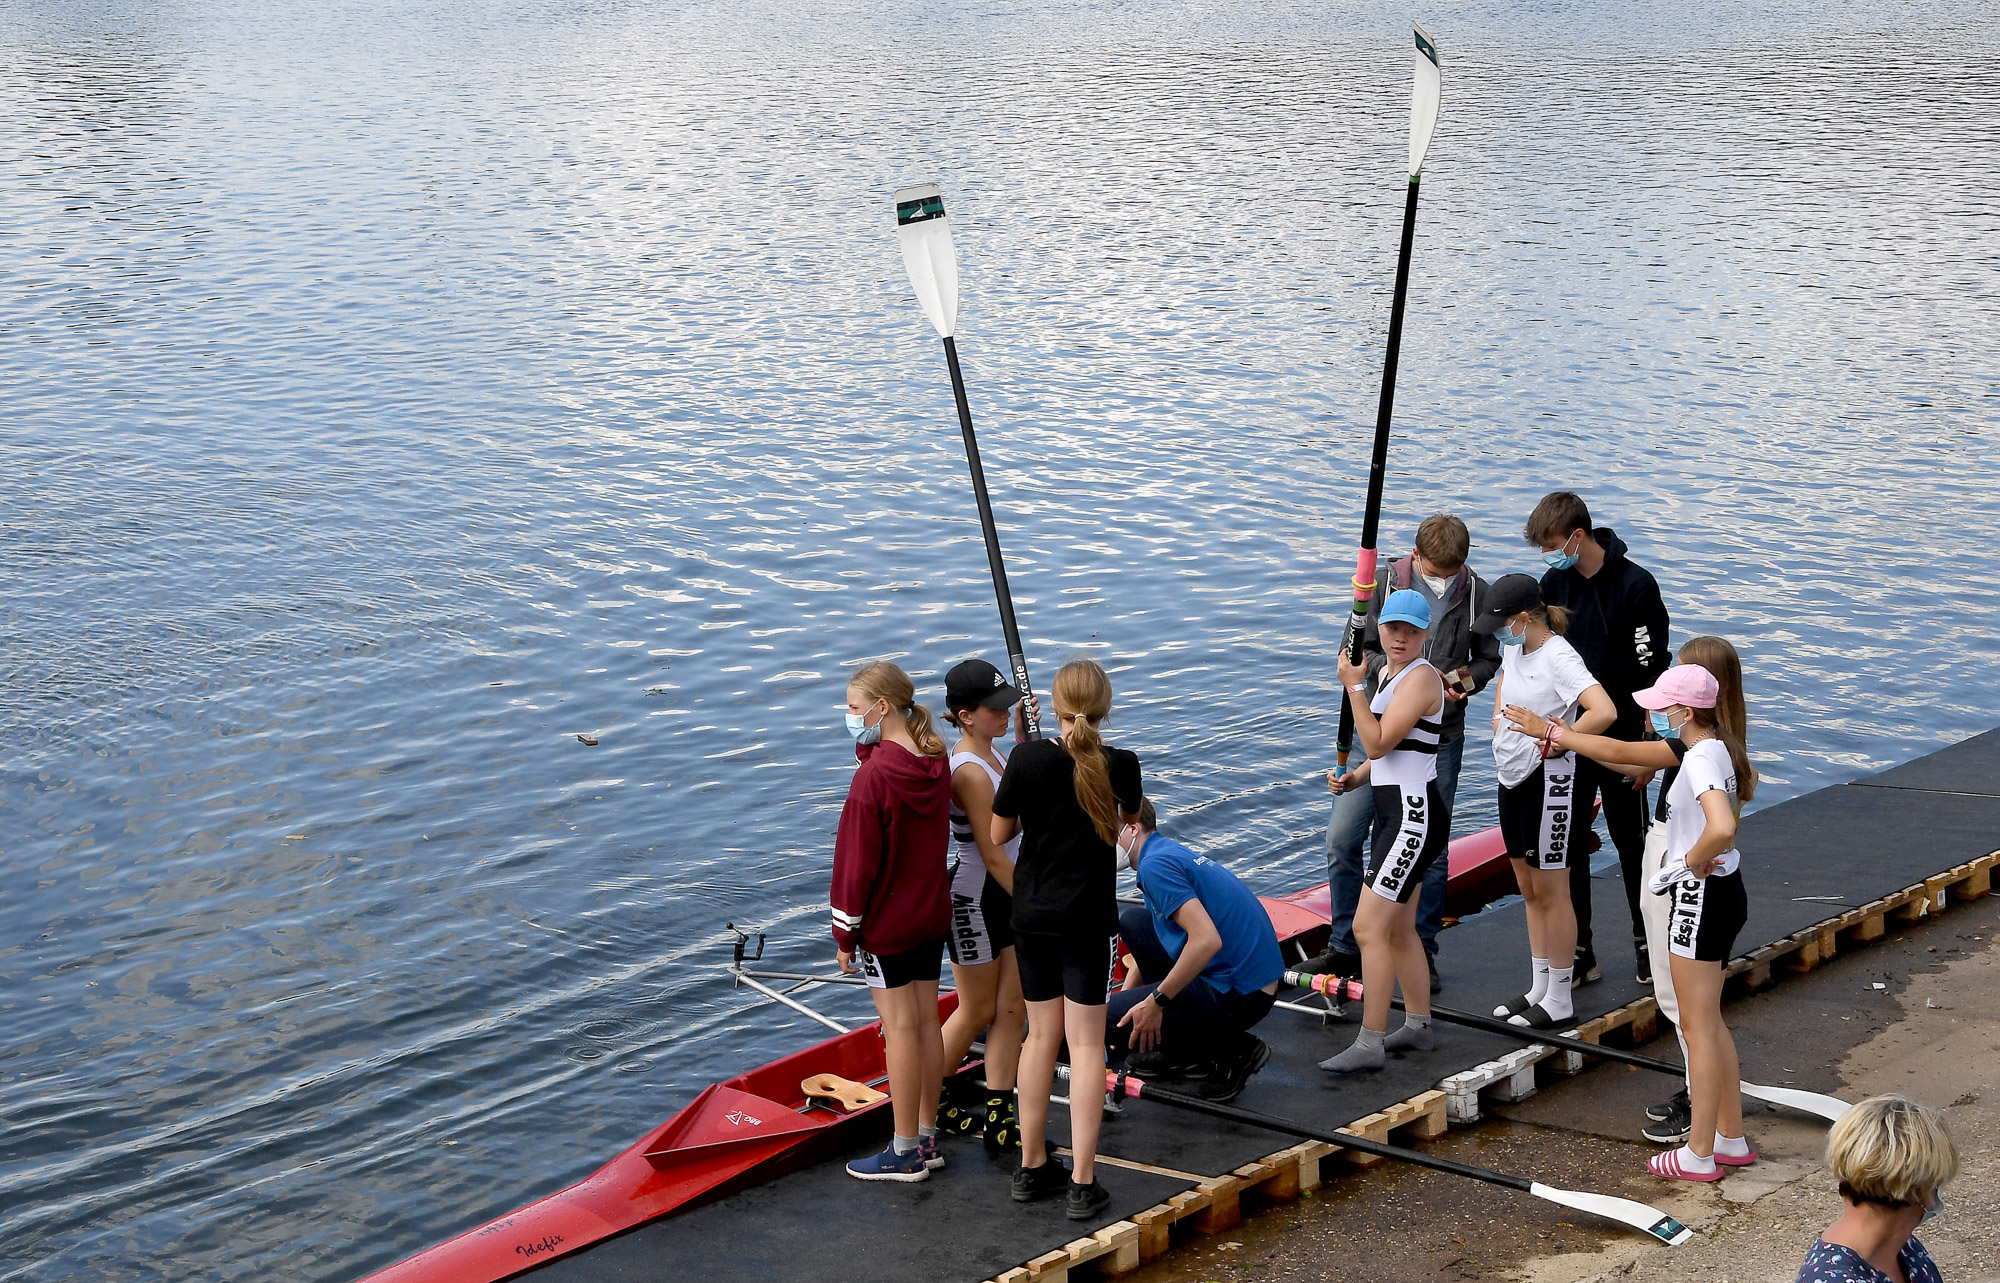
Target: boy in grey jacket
1437,569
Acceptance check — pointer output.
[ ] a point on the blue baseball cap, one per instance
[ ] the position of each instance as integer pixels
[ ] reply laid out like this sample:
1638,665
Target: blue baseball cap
1407,606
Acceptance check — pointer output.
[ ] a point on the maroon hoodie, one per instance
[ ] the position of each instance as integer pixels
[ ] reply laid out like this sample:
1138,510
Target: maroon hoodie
890,888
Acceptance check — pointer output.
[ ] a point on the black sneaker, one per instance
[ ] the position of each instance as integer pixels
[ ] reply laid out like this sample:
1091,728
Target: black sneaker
1587,971
1086,1202
1332,962
1645,960
1674,1128
1151,1064
1666,1108
1033,1184
1227,1081
1432,959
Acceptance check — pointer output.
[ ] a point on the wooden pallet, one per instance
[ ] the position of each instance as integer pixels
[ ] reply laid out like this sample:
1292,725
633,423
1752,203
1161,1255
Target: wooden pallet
1216,1202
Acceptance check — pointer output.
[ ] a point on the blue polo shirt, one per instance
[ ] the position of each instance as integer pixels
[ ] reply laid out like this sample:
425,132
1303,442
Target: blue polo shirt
1170,875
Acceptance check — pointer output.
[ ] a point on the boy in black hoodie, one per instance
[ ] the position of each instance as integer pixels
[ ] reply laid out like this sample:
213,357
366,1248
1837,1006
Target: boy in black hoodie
1618,624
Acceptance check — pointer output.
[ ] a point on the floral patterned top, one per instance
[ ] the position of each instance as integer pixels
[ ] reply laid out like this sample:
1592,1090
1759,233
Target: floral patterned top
1834,1263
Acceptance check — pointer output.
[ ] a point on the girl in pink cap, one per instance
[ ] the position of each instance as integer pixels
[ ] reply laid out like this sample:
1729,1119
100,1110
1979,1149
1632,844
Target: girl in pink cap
1701,874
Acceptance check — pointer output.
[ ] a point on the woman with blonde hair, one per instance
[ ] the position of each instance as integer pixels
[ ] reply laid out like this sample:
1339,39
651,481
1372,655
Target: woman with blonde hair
1709,903
1893,1158
1068,799
892,902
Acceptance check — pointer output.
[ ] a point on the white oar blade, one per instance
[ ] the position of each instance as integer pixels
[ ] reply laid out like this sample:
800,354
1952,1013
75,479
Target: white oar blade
1424,100
1806,1102
1639,1216
925,234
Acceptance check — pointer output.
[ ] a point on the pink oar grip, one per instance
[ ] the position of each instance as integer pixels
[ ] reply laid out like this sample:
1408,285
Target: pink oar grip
1132,1086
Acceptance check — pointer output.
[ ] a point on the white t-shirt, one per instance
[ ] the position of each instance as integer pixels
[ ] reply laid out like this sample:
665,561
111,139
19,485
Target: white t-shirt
1546,682
1706,766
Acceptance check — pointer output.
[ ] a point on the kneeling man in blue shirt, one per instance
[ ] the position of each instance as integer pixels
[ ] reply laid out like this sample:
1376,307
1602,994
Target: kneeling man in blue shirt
1204,968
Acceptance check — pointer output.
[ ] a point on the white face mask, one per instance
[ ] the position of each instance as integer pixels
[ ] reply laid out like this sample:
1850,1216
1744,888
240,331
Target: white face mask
1438,583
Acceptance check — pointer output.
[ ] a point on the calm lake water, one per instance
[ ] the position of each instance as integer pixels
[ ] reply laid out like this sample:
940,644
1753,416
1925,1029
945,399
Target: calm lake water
395,392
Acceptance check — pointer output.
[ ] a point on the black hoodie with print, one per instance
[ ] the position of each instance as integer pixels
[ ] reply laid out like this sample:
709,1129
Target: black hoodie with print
1617,623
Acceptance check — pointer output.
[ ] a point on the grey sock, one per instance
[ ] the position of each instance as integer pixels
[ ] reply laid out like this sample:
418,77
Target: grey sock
925,1133
906,1144
1415,1035
1365,1054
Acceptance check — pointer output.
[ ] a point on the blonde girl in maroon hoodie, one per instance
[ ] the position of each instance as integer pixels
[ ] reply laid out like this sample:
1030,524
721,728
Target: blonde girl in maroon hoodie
892,902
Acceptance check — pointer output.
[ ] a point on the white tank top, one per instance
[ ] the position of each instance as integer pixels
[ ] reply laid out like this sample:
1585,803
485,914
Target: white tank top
961,824
1413,761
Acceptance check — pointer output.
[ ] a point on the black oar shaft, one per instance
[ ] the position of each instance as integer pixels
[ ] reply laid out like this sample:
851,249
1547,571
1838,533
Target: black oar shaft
1378,467
1010,631
1291,1127
1378,464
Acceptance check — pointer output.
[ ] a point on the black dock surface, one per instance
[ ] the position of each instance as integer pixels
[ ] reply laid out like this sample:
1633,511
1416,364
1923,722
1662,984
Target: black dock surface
1804,861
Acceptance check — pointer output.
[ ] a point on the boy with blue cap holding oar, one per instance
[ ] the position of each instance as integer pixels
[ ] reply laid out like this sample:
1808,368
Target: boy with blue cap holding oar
1399,729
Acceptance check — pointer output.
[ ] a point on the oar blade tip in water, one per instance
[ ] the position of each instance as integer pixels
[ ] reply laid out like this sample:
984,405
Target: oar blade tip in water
928,256
1639,1216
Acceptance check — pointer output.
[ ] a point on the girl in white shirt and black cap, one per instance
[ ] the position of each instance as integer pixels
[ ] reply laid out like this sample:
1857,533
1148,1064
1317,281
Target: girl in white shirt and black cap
1540,673
1702,876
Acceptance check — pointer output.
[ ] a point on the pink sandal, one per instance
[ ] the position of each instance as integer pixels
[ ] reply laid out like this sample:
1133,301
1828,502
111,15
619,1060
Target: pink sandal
1667,1166
1732,1160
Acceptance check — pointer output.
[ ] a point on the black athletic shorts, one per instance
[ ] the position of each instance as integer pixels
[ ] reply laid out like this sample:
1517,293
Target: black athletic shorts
982,915
1412,830
1072,967
1706,915
1536,815
894,970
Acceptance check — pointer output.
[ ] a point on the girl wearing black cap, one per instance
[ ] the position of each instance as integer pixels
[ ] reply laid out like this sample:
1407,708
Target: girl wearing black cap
977,699
1542,673
1068,799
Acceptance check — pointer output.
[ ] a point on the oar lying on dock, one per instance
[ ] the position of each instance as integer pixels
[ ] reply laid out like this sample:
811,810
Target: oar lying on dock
1806,1102
1623,1210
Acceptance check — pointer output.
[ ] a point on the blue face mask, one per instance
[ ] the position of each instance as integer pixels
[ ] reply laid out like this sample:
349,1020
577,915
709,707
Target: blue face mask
1560,559
863,733
1508,637
1663,726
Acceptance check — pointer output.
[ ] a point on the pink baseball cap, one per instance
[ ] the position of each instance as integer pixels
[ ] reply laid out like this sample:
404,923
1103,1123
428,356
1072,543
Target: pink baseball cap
1689,685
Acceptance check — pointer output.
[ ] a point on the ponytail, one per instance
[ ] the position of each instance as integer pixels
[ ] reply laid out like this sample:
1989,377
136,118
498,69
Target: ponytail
1083,691
924,731
888,682
1556,618
1728,717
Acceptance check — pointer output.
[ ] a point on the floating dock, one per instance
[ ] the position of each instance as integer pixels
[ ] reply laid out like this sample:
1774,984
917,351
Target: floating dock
1828,873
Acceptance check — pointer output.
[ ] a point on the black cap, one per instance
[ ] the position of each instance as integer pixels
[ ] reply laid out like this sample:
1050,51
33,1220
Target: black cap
975,682
1508,597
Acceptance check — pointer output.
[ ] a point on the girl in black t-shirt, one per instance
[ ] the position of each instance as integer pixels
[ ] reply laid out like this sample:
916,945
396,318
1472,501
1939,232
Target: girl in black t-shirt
1068,798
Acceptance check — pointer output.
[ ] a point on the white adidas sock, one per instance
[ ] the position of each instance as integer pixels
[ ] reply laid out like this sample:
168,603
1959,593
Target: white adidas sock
1556,999
1541,984
1733,1147
1693,1162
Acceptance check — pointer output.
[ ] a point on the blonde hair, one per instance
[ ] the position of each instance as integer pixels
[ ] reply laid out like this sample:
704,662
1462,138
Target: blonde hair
1891,1151
1728,718
884,680
1554,616
1082,690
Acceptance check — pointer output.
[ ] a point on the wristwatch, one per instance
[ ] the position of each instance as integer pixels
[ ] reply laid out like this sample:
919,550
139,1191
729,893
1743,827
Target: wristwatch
1162,999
